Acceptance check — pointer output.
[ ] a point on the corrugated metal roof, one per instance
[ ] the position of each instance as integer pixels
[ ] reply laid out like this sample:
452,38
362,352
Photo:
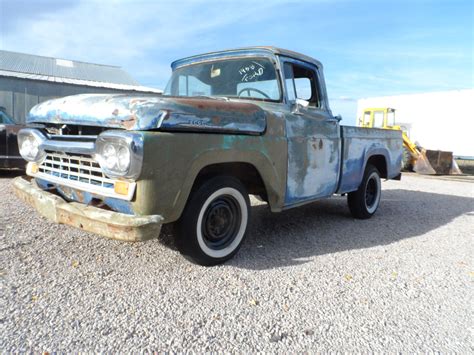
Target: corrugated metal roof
60,68
96,84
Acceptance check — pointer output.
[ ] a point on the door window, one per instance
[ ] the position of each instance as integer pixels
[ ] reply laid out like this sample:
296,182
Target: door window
289,81
302,83
192,86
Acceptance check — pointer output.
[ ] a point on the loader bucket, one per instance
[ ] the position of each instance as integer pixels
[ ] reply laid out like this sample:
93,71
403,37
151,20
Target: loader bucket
455,170
422,164
440,161
436,162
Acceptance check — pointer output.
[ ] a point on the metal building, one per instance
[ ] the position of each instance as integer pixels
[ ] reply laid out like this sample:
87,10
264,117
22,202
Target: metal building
436,120
26,80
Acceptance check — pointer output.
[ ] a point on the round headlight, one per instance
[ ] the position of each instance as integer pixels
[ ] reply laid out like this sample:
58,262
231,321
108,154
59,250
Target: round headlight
29,142
109,155
120,154
123,158
115,157
29,148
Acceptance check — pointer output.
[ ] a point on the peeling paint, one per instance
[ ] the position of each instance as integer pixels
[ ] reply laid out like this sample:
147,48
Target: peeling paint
147,113
92,219
313,157
76,195
362,143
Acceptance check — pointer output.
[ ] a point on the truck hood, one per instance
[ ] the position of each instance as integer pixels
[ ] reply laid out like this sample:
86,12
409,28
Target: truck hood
152,113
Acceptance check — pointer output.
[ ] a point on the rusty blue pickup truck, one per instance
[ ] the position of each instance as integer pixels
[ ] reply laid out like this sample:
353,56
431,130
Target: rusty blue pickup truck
230,123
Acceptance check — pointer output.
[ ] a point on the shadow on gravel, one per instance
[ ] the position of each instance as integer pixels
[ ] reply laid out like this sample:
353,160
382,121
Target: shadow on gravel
289,238
11,173
326,227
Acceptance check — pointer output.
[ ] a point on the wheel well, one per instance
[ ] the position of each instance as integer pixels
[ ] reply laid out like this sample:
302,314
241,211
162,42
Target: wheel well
245,172
380,163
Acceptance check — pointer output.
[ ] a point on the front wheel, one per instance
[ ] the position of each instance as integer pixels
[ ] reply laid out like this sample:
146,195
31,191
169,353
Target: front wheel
214,221
364,202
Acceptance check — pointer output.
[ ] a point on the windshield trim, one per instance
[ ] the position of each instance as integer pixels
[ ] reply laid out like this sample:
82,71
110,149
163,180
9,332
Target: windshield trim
271,58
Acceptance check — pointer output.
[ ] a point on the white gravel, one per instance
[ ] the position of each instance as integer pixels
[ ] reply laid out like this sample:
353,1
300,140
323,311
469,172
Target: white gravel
310,279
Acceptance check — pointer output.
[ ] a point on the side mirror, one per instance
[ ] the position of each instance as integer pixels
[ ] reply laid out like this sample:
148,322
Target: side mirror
338,118
298,105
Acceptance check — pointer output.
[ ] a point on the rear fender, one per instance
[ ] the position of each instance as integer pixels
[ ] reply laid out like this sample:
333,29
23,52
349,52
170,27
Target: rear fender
353,167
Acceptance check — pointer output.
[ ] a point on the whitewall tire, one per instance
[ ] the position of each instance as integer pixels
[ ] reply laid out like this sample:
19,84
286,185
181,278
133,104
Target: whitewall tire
214,221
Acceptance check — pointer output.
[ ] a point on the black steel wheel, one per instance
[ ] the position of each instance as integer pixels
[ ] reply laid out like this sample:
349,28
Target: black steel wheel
366,199
221,222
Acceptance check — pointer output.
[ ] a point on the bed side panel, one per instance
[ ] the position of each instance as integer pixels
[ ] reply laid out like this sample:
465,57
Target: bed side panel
359,144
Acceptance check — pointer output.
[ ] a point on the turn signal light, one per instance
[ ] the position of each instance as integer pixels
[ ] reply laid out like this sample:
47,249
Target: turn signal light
121,187
34,168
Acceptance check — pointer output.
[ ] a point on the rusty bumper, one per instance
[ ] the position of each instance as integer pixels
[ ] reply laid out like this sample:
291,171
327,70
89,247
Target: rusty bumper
89,218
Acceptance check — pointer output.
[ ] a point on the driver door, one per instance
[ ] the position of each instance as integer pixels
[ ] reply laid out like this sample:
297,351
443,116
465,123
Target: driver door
313,137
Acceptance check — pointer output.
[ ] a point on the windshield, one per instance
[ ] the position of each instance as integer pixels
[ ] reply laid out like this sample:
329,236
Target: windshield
249,78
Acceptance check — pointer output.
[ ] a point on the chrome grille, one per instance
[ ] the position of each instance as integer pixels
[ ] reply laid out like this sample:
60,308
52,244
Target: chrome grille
79,168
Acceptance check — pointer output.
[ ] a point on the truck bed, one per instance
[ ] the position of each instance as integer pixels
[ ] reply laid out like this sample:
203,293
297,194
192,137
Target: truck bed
358,144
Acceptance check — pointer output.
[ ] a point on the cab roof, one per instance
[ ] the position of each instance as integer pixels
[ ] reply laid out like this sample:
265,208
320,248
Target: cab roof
258,50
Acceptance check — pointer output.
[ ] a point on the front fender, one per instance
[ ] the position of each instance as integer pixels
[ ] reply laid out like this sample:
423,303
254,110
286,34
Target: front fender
274,182
172,161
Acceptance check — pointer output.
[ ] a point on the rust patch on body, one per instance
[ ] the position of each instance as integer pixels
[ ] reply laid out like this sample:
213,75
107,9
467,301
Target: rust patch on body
218,105
128,123
92,219
80,196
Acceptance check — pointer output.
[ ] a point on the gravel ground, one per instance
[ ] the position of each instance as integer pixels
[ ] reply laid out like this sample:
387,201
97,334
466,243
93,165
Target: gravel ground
310,279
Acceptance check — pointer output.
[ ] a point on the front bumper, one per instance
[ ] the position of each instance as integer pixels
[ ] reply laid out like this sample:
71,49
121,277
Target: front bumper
109,224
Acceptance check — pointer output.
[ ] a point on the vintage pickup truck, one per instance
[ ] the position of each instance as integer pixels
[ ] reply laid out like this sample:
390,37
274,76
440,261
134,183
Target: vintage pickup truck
230,123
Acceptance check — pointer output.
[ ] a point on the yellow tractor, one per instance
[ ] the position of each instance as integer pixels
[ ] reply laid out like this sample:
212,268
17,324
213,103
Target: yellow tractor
415,158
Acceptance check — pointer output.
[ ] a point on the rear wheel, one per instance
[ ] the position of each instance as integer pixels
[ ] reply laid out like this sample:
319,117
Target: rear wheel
364,202
407,160
214,221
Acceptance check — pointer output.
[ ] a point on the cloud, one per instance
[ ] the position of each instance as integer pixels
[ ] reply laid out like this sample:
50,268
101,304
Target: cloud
14,14
120,30
406,52
344,99
141,36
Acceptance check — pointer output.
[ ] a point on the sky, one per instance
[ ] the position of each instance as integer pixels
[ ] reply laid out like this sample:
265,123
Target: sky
368,48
